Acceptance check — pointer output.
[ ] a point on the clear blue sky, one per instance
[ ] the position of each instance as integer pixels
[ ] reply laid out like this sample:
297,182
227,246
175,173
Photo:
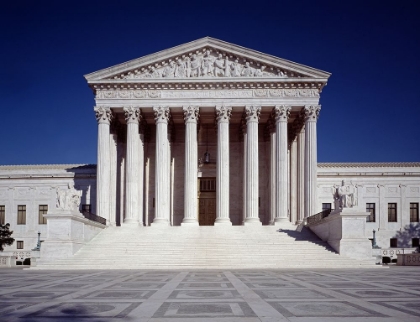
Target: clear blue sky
370,107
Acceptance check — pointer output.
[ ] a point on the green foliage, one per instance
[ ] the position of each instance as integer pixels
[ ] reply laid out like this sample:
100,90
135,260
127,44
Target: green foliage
5,238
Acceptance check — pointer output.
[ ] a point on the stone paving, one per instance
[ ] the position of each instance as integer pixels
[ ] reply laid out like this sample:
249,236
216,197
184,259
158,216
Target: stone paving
379,294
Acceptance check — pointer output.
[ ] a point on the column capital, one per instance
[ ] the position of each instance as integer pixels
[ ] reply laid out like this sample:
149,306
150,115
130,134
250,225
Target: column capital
252,113
103,114
281,113
311,112
162,114
191,114
223,113
132,114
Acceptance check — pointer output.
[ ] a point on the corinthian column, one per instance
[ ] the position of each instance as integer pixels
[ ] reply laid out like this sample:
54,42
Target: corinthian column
132,117
272,132
191,114
301,173
252,117
162,196
310,113
103,176
281,114
223,114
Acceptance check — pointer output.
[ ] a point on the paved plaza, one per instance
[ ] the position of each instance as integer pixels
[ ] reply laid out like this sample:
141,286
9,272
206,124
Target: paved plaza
378,294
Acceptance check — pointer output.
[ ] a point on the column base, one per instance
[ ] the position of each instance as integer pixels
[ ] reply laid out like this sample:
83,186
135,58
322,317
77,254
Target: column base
189,222
160,222
130,222
252,222
223,222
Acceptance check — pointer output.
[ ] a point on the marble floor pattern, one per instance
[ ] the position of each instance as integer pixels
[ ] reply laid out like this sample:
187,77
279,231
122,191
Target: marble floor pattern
378,294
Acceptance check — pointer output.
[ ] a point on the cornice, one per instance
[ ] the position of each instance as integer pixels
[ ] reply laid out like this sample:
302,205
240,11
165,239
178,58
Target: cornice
369,165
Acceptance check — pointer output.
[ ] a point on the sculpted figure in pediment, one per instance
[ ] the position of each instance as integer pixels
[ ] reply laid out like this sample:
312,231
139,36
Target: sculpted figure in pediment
248,71
195,66
152,73
181,69
207,65
219,66
235,69
169,70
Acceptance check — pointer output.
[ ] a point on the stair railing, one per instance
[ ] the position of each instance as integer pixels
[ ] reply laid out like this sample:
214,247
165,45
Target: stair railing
318,217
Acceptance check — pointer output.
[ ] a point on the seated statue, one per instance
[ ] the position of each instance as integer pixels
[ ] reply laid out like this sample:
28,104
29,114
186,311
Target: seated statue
69,199
346,196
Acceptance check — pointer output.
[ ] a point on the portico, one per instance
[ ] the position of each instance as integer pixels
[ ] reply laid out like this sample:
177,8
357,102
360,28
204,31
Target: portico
254,116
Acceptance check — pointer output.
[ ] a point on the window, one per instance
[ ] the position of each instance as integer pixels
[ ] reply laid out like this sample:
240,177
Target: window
370,207
392,212
19,244
2,214
393,242
43,209
85,208
21,219
415,242
326,206
414,212
207,184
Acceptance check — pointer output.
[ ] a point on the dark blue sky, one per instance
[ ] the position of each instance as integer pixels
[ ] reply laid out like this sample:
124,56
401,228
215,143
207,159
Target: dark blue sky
370,107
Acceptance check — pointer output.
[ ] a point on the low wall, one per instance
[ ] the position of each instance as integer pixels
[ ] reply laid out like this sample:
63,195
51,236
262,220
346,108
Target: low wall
67,232
408,259
344,230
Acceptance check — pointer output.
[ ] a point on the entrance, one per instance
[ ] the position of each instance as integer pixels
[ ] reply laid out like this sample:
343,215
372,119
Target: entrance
207,201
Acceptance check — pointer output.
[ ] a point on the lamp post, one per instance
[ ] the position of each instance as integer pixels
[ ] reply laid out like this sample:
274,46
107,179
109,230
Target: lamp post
374,240
38,244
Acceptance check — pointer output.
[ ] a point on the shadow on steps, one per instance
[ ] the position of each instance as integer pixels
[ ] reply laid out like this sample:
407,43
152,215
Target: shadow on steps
306,235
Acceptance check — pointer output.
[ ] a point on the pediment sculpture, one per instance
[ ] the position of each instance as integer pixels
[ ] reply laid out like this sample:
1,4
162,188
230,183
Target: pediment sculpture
205,63
346,196
69,199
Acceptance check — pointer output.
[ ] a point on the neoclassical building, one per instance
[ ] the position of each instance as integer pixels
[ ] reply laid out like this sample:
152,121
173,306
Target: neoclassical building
207,133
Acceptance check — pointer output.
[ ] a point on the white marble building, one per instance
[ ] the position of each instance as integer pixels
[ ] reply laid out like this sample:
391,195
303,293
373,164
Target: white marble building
210,133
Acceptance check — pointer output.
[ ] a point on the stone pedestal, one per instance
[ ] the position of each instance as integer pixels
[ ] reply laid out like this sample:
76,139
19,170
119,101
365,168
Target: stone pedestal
344,230
67,232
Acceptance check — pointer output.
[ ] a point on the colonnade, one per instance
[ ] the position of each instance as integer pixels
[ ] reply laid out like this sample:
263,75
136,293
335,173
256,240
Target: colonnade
297,191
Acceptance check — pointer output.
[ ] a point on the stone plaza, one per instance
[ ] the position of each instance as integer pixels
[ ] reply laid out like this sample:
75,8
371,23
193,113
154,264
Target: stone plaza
356,295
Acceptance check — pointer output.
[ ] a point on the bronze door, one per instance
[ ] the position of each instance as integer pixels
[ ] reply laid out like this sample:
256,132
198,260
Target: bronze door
207,211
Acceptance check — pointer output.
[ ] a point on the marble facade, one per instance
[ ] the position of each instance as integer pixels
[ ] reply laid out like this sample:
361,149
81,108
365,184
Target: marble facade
209,110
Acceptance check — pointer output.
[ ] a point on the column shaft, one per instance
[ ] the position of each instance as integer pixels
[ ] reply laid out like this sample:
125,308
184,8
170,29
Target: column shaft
282,115
191,167
132,209
223,114
252,117
311,113
301,174
103,116
272,173
113,180
162,186
293,181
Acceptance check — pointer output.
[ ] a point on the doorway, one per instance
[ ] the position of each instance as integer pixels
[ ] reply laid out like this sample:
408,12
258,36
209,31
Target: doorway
207,201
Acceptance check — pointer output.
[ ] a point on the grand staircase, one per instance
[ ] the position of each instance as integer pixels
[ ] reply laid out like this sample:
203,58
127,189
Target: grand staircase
205,247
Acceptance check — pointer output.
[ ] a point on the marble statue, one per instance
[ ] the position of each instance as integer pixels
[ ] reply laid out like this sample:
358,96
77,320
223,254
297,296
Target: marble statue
69,199
219,66
207,65
346,196
195,66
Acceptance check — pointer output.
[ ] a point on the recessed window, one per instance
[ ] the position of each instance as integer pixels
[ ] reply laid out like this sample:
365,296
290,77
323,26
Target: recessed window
86,208
19,244
326,206
43,209
393,242
415,242
392,212
370,207
414,212
2,214
21,218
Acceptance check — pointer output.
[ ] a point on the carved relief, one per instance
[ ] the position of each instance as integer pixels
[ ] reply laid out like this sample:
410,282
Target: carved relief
162,113
103,114
311,112
191,113
281,113
68,199
132,114
393,189
223,113
206,62
414,189
252,113
371,189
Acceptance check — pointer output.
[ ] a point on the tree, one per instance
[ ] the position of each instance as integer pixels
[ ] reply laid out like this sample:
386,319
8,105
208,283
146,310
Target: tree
5,238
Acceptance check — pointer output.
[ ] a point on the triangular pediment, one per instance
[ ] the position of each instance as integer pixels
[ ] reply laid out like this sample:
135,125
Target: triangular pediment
206,58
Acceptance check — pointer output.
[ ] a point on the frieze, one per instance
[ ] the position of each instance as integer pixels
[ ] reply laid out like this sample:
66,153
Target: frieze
238,93
206,63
